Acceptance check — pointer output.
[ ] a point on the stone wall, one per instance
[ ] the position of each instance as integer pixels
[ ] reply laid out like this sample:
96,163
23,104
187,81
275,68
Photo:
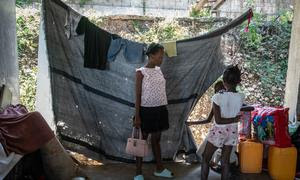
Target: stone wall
233,8
170,8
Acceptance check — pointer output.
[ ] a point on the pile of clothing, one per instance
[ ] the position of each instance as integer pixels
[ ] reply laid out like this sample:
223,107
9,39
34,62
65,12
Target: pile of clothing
21,133
271,126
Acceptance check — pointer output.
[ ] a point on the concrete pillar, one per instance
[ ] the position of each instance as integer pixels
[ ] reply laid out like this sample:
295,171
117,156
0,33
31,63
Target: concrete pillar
8,51
293,74
57,162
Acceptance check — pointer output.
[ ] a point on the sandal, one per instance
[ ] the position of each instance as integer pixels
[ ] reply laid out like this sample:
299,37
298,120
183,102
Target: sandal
139,177
165,174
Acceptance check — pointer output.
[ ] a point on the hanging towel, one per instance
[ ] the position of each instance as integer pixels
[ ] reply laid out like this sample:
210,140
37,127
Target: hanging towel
170,48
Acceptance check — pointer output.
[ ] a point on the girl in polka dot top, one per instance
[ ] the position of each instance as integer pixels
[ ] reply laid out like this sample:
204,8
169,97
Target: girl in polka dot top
151,110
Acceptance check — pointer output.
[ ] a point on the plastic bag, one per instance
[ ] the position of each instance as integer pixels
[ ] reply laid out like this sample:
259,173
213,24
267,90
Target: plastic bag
245,125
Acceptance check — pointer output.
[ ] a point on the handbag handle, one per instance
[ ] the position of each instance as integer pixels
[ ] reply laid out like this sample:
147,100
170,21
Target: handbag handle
139,133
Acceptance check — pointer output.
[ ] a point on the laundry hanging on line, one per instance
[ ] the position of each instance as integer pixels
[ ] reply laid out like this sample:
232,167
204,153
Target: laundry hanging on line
133,52
96,44
170,48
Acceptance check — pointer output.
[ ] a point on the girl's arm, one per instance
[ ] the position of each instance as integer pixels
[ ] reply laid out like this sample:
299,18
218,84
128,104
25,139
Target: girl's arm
208,120
138,92
219,119
247,108
210,116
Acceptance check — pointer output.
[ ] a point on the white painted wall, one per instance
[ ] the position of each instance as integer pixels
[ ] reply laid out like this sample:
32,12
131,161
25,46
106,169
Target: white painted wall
162,8
234,8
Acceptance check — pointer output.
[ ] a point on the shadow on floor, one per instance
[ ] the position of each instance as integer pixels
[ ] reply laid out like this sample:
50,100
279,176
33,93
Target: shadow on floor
122,171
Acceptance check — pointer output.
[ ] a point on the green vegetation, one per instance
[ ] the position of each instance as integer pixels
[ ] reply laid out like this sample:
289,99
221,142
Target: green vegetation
83,2
27,40
195,13
265,50
160,31
21,3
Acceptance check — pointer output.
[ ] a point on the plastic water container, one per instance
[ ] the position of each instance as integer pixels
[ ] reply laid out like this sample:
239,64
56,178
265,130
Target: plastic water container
251,156
293,126
282,163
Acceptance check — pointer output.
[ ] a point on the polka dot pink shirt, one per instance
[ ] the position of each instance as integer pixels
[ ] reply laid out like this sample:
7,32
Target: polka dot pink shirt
153,87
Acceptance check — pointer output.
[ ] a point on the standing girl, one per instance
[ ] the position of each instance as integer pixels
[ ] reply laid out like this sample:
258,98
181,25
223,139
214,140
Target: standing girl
151,111
224,133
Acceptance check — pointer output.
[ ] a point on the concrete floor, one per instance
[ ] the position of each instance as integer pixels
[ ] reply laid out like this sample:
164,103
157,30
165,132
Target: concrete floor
122,171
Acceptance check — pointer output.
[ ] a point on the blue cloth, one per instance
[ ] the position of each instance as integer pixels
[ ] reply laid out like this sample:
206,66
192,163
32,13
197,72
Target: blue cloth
133,52
262,121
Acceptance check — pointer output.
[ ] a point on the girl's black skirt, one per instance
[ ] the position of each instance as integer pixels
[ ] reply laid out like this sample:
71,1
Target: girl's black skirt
154,119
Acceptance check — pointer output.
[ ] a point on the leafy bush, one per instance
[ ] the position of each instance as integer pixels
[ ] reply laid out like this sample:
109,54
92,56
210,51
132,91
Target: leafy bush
27,41
83,2
160,31
21,3
265,50
27,80
27,35
196,13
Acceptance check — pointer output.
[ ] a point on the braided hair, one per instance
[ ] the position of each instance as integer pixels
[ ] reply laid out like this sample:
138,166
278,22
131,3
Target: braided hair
153,48
232,75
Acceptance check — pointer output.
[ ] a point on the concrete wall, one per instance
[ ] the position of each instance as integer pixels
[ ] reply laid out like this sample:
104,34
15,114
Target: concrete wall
8,51
292,94
233,8
170,8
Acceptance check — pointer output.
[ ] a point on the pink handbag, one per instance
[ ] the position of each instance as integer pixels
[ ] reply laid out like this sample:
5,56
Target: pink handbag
137,147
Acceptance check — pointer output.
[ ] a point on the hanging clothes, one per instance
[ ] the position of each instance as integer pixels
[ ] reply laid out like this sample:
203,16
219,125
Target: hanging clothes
71,22
170,48
96,44
133,52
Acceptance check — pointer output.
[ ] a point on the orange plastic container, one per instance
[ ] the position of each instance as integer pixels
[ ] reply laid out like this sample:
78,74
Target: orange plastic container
282,163
251,156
